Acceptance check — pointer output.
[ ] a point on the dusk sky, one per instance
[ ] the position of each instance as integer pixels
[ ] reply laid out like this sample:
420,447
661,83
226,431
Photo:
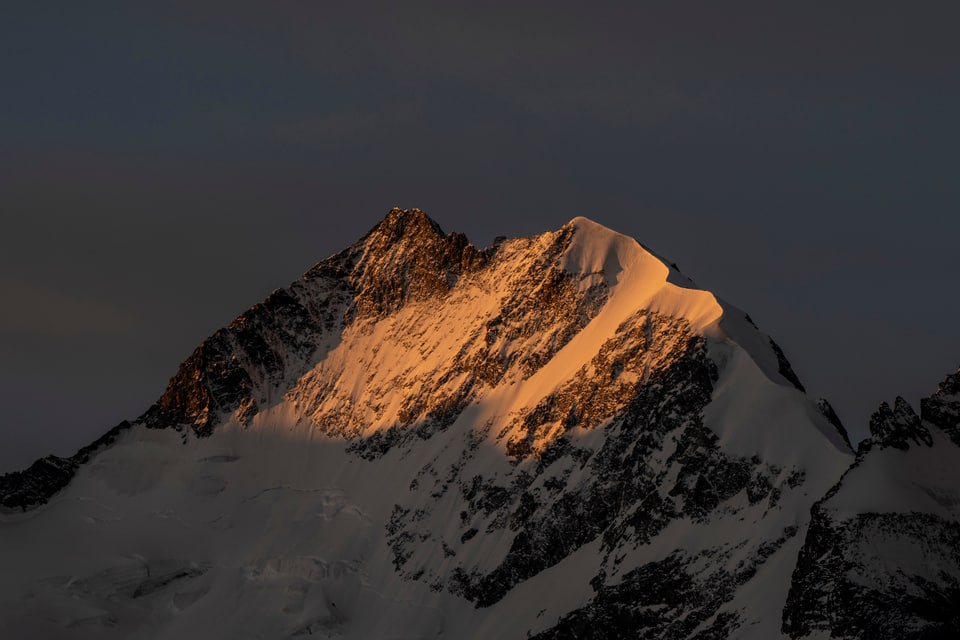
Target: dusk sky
165,165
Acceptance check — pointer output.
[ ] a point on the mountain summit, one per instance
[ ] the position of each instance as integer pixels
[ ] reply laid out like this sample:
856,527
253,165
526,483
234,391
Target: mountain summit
557,436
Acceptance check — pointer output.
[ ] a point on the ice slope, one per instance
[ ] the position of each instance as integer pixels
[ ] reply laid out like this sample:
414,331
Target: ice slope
424,439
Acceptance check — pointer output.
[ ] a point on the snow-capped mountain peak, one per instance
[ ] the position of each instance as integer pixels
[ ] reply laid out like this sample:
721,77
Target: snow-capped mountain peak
547,436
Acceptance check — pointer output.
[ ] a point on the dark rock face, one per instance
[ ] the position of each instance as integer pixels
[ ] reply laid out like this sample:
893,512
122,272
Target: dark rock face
898,427
667,599
39,482
836,587
245,365
784,365
886,574
654,598
942,409
828,412
248,364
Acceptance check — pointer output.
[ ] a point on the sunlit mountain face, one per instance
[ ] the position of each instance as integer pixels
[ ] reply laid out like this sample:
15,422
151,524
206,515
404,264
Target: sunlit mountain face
558,436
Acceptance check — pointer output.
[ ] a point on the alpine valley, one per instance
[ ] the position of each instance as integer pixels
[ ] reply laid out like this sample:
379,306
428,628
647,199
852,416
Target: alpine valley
553,437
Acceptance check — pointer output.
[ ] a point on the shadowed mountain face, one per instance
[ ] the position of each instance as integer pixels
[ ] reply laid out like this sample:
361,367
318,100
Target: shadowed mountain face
557,436
882,557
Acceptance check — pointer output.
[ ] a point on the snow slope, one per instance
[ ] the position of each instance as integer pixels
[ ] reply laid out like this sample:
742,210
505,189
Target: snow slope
420,438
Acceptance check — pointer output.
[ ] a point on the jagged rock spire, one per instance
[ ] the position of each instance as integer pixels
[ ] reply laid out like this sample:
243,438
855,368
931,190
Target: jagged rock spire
408,257
898,427
399,222
943,407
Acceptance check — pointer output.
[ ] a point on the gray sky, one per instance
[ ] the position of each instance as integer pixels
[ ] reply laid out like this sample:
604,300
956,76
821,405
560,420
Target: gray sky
163,166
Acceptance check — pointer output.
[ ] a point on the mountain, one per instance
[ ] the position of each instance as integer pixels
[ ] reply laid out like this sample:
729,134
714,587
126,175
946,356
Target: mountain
552,437
882,556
